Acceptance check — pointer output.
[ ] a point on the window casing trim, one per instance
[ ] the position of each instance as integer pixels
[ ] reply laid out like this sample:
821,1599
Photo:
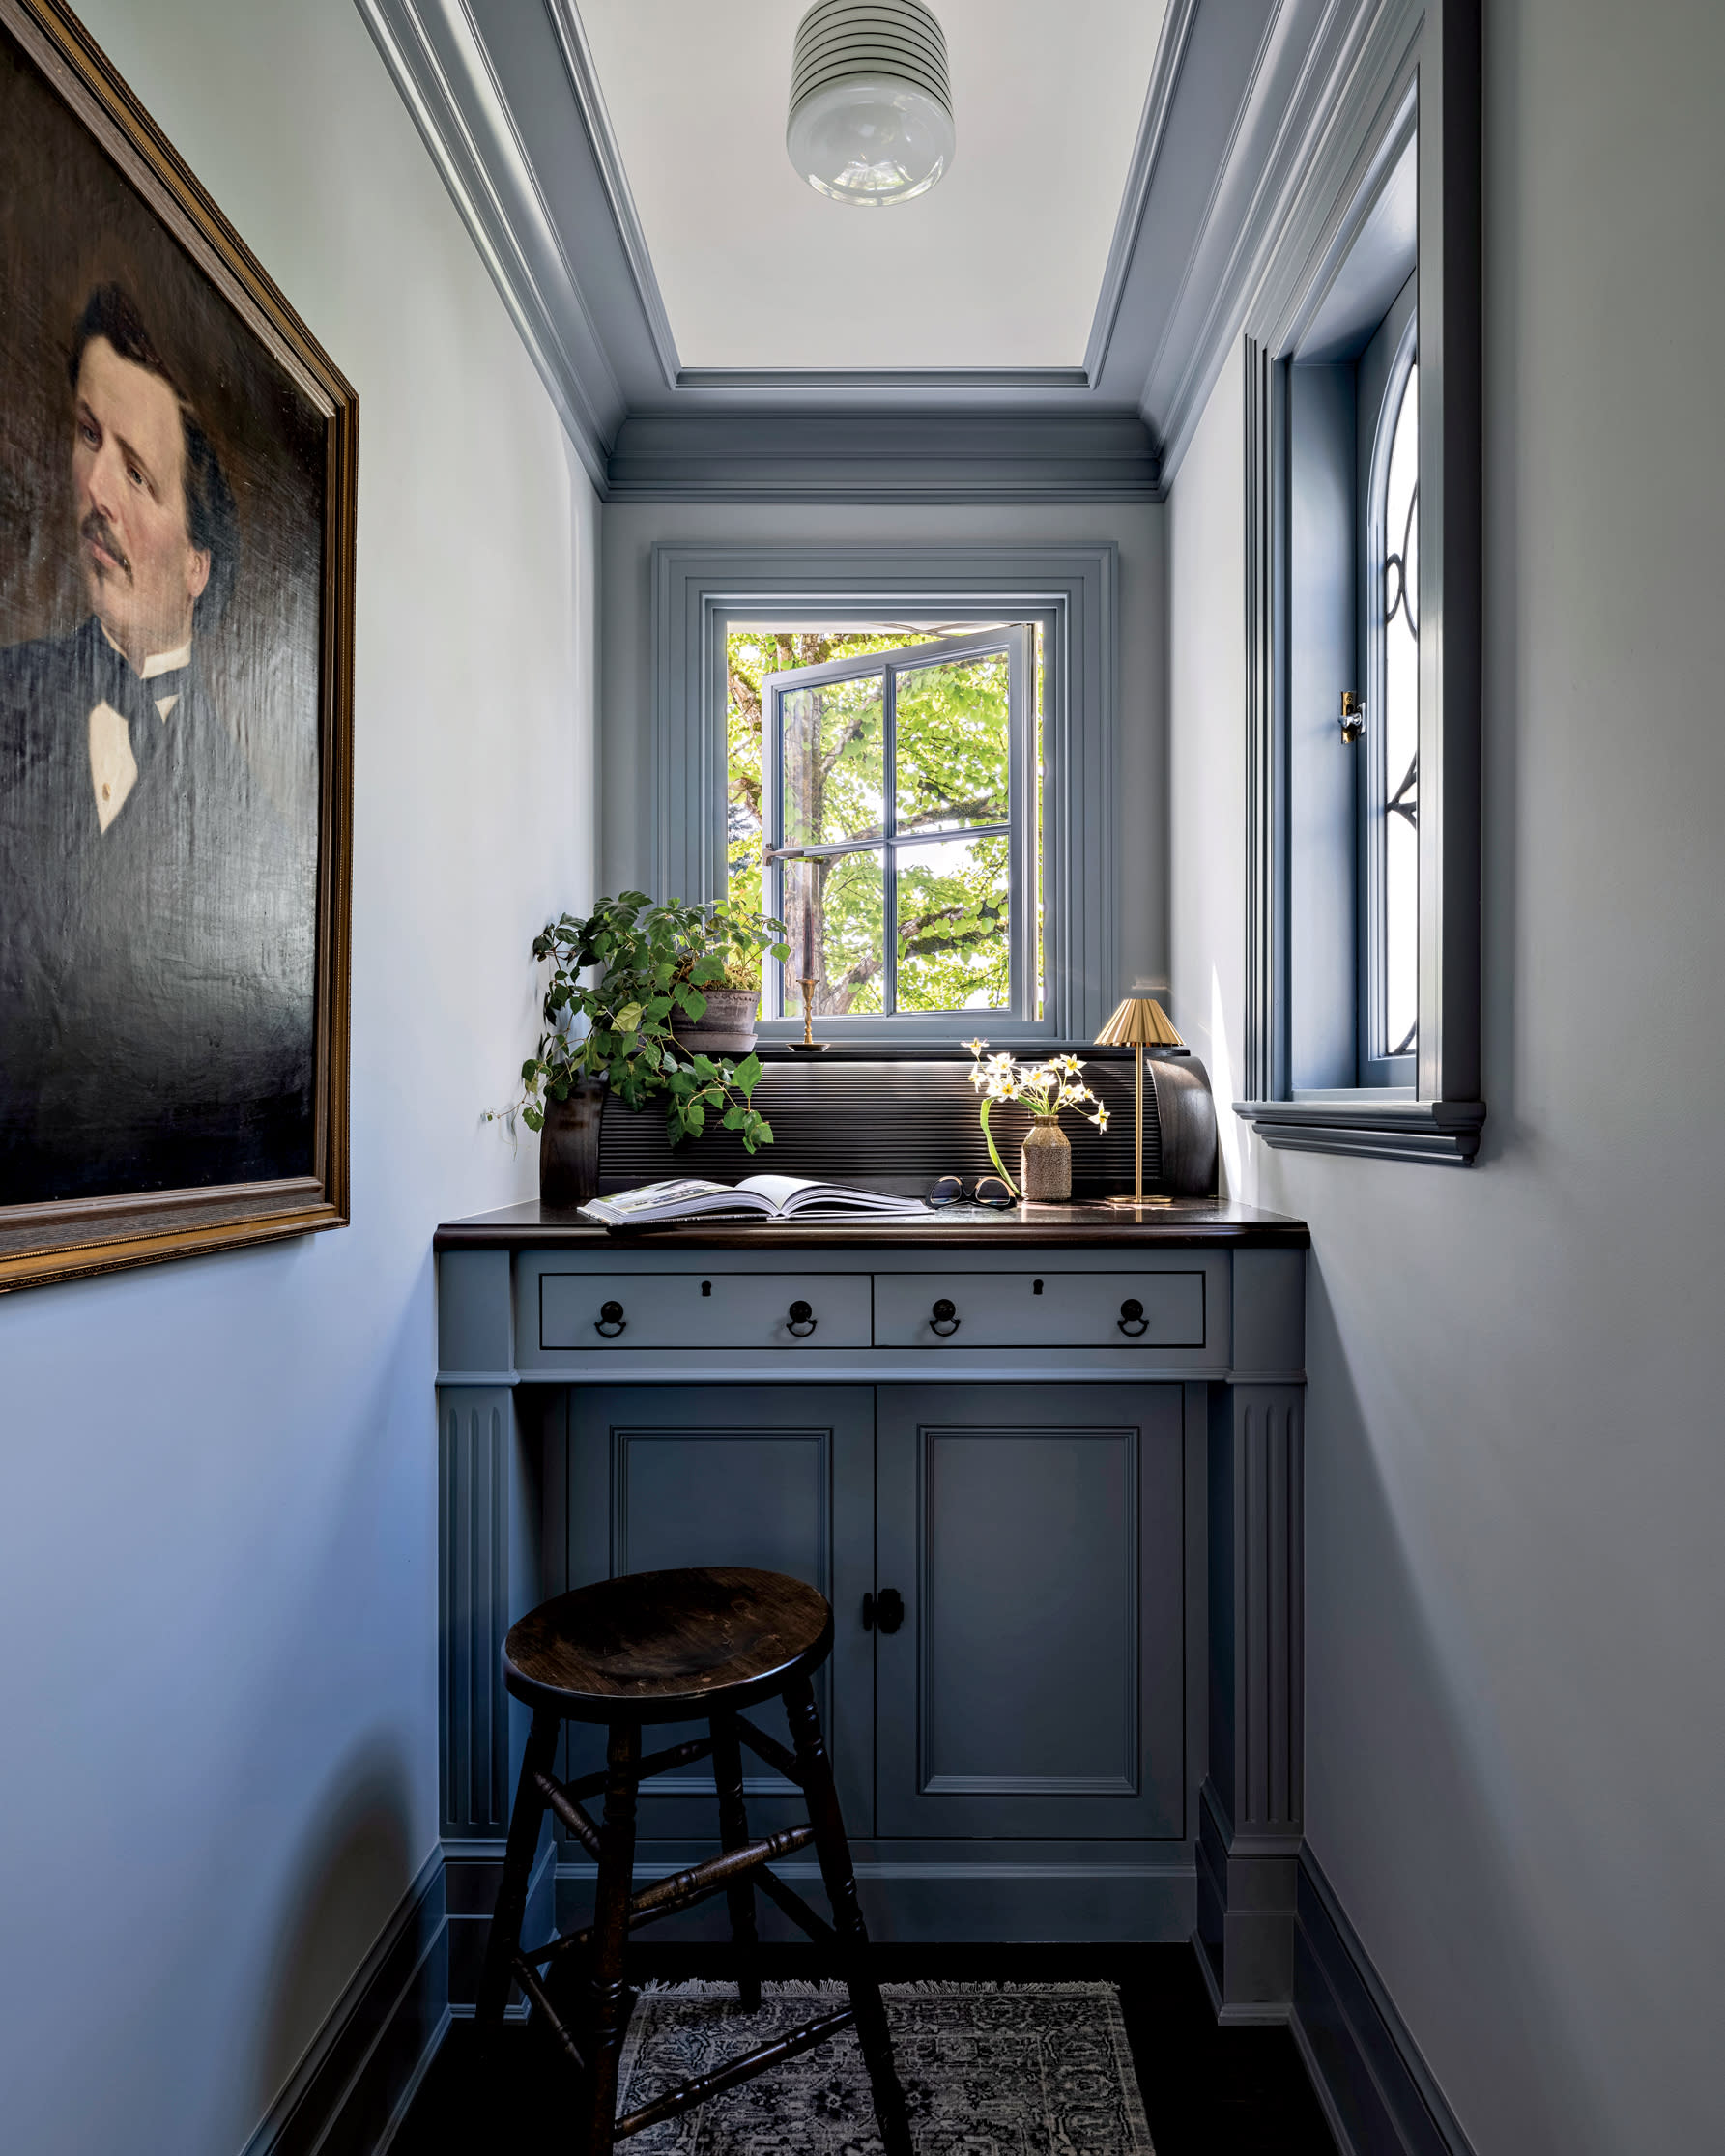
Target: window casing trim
698,592
1424,69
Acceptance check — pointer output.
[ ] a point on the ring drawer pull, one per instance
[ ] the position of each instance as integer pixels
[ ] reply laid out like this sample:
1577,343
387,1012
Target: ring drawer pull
943,1319
801,1321
610,1321
1131,1320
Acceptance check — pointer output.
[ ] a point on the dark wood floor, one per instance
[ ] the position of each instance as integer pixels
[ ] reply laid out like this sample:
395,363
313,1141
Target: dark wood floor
1208,2091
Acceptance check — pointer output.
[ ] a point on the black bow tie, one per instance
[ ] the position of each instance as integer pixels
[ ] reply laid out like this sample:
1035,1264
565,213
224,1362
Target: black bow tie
120,686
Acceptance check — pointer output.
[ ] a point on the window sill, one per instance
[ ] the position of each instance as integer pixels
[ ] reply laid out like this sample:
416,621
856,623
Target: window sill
1444,1133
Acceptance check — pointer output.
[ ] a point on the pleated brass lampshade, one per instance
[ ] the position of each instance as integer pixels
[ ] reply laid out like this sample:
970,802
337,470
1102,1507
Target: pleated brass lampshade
1138,1022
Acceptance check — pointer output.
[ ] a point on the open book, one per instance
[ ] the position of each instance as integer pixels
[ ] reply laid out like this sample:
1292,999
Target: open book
773,1197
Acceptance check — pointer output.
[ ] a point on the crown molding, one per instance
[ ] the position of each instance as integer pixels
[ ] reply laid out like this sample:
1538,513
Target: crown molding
583,81
1141,177
438,63
1303,91
884,456
508,102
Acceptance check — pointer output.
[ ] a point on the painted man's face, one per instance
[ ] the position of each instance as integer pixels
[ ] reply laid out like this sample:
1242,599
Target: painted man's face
141,570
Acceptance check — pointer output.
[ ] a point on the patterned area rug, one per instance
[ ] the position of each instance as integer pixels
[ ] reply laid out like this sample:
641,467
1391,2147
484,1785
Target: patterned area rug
1008,2070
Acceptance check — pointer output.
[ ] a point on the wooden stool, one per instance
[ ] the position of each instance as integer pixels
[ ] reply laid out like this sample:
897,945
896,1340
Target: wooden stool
668,1646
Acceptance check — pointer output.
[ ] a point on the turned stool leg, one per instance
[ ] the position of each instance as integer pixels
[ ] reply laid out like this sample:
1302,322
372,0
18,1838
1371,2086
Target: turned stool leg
734,1834
505,1941
833,1849
611,1931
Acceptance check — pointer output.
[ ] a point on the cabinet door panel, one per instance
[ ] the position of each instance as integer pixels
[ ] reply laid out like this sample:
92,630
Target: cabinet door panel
777,1477
1035,1687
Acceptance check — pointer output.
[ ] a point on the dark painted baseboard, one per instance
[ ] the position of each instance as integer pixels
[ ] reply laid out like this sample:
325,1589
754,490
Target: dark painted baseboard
351,2089
1377,2091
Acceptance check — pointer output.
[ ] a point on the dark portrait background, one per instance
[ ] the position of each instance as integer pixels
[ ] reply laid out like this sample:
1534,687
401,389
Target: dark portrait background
71,222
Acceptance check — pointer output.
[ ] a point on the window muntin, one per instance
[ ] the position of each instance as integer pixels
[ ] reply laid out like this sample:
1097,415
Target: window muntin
1390,1017
900,796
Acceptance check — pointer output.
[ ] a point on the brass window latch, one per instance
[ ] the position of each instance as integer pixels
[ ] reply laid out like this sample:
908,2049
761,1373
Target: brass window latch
1353,714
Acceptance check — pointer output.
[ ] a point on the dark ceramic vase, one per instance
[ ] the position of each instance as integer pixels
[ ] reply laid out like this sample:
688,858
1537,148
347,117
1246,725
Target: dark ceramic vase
569,1145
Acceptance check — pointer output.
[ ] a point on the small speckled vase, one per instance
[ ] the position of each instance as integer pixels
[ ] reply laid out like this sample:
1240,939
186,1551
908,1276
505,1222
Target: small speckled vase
1044,1163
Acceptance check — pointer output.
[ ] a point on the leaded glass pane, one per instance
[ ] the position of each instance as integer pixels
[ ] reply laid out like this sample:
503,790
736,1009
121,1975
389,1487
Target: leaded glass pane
1400,806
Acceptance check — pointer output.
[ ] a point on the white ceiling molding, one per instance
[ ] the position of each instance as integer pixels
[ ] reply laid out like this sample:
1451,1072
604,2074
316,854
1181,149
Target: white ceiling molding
508,102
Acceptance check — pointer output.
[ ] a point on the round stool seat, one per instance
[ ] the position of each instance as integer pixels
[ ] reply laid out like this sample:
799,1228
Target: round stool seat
661,1647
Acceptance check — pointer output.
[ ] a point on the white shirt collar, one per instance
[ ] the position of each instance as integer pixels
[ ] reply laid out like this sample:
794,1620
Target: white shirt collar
158,662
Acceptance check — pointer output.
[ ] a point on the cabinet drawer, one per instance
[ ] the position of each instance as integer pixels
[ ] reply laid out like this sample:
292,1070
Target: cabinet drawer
1041,1309
703,1310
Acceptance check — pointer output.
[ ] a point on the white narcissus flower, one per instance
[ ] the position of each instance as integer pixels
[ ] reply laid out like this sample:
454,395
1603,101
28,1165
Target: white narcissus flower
976,1046
1071,1065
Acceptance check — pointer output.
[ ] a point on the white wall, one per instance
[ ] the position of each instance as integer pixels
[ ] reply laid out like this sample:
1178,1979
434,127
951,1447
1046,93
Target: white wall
1516,1473
626,748
217,1555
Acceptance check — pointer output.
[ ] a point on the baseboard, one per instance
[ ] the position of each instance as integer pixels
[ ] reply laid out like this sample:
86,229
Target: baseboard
472,1872
356,2077
1377,2092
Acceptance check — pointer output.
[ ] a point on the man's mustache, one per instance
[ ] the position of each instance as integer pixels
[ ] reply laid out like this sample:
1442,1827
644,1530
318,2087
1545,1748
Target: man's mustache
97,531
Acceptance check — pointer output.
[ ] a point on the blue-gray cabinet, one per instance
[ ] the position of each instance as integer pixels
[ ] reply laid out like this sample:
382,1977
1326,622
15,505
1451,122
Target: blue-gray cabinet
1070,1442
1035,1688
645,1477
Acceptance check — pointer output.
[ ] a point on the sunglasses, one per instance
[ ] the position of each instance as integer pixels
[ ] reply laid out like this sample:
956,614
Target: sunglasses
989,1191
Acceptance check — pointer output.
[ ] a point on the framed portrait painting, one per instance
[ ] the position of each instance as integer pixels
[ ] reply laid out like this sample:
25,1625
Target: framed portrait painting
177,481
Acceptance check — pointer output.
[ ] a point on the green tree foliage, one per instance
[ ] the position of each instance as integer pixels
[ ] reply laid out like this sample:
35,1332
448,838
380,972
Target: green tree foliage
953,773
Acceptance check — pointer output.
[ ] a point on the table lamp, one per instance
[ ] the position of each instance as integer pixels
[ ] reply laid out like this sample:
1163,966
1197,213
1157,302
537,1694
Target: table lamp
1138,1022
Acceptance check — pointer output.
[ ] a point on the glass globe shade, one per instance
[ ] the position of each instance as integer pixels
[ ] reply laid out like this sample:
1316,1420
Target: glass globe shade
871,140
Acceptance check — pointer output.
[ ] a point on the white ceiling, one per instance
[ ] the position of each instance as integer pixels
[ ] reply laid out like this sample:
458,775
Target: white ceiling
999,266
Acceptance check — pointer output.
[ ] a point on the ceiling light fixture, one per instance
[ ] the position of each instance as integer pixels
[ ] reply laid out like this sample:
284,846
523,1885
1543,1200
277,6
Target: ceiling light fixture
871,109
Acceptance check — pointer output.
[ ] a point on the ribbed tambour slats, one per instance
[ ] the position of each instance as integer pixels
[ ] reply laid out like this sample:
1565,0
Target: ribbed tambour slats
884,1126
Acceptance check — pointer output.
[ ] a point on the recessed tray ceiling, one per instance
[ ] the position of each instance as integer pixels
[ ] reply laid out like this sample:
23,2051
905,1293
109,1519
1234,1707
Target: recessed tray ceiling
999,266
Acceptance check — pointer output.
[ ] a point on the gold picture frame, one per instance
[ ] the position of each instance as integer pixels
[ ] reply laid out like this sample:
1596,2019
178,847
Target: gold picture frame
116,210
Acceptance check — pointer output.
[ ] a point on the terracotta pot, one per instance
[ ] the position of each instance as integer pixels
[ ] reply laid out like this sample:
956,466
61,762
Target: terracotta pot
726,1028
569,1145
1044,1163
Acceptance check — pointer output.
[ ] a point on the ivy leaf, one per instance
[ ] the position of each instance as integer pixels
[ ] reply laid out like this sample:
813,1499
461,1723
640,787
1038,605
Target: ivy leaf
747,1074
628,1019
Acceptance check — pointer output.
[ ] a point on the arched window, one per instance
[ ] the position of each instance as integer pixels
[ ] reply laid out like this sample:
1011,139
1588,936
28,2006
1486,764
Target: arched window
1390,1012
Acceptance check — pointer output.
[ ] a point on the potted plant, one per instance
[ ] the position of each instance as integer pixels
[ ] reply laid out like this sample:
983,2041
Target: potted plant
653,968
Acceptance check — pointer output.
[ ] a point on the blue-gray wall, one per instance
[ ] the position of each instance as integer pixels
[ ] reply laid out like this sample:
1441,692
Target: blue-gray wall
218,1571
1515,1479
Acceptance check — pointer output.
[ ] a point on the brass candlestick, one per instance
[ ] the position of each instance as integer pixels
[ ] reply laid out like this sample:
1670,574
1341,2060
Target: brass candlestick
808,1044
1140,1021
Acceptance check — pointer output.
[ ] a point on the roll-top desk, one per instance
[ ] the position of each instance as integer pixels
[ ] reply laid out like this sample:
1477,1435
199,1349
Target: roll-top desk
1046,1468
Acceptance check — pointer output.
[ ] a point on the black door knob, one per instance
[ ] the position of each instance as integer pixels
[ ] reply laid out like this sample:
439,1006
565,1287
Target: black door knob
610,1320
1131,1320
943,1319
801,1320
883,1612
